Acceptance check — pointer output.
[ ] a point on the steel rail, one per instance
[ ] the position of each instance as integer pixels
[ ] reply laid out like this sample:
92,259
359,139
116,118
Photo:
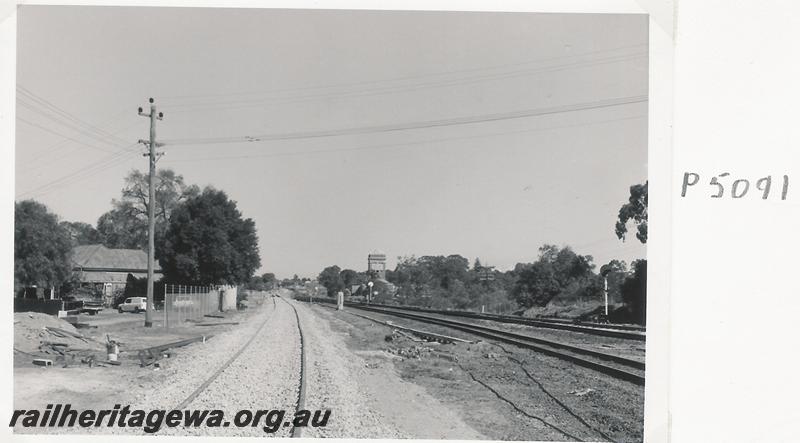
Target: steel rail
297,432
616,331
225,366
546,347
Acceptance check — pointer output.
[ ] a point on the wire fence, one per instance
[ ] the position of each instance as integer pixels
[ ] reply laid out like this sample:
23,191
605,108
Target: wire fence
184,303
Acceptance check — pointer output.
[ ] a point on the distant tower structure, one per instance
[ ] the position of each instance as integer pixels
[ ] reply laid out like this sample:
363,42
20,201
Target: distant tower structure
376,264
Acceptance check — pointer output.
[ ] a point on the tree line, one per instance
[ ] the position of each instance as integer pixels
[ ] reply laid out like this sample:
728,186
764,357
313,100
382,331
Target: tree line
201,237
558,275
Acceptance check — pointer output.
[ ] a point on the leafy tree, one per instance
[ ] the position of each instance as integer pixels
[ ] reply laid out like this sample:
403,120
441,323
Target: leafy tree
351,277
445,271
410,276
634,288
125,226
81,233
122,228
41,247
263,282
439,281
557,272
536,285
635,210
331,279
208,242
634,292
269,279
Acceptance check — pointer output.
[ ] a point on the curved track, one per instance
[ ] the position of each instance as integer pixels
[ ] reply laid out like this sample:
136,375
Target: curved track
301,391
225,366
630,332
207,385
622,368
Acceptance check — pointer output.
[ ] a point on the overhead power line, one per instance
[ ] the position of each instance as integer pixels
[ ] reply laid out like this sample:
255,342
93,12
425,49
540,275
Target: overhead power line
43,128
86,171
405,78
415,125
279,100
52,158
67,144
88,134
391,145
64,117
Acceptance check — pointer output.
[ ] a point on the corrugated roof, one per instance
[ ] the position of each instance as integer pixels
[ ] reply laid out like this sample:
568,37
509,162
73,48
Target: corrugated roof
101,257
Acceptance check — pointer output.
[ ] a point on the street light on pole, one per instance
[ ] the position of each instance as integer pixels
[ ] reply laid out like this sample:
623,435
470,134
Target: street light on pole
369,297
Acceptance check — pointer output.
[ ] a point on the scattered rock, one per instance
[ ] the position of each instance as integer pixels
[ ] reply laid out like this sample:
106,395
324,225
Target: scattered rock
582,392
411,352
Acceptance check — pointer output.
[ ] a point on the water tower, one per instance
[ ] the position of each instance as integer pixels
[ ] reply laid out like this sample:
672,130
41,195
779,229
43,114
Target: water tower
376,265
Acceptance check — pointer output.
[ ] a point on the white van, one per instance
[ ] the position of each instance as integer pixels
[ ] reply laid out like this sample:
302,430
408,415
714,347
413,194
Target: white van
133,304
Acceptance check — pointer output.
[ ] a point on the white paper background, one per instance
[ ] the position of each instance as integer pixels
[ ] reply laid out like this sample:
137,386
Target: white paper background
722,275
735,292
659,154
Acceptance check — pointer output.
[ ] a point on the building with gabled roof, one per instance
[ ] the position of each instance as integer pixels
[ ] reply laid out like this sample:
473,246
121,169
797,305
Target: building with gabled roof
109,270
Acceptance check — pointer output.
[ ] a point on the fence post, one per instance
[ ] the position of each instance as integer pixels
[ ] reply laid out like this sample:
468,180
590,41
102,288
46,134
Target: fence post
166,308
179,309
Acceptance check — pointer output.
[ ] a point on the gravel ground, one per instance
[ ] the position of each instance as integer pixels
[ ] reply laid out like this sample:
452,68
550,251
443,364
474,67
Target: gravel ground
632,349
583,403
264,377
365,395
332,383
181,375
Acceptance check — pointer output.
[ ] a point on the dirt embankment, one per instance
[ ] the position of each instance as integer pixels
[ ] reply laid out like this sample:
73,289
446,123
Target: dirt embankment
502,392
39,335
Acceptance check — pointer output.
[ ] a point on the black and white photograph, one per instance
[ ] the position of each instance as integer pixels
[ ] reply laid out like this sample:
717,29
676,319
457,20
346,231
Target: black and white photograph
331,223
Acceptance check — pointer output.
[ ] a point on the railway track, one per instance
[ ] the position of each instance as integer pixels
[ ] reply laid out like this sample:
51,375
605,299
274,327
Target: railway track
203,386
301,390
629,332
613,365
301,381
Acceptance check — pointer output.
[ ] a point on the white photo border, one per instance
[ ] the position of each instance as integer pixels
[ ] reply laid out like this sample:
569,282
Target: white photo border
661,59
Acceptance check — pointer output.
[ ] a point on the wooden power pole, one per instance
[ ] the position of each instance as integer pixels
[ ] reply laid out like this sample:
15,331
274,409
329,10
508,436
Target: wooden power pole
151,214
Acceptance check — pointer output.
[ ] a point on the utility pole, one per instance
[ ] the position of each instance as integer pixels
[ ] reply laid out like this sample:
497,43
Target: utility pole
151,214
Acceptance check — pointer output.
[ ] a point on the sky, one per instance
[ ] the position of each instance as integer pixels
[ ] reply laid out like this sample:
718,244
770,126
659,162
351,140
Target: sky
343,132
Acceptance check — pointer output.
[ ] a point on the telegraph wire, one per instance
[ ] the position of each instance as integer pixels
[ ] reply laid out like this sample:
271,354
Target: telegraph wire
415,125
82,173
71,151
65,142
75,128
229,105
404,78
65,114
395,145
43,128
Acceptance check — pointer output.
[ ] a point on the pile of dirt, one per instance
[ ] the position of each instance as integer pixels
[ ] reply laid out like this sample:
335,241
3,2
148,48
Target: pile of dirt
37,333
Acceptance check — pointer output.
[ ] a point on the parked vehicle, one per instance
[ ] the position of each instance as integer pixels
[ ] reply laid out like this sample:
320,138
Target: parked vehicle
133,304
83,300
